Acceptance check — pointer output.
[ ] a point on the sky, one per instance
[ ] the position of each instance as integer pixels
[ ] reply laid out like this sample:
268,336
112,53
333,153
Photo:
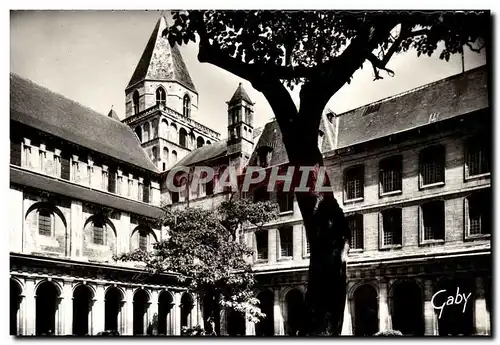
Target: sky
90,56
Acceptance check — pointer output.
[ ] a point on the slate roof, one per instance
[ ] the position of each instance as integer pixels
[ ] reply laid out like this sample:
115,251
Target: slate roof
160,61
450,97
453,96
112,113
42,109
240,94
205,153
62,187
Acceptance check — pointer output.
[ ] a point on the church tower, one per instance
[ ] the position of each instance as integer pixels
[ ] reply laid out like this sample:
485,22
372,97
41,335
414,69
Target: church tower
240,128
161,103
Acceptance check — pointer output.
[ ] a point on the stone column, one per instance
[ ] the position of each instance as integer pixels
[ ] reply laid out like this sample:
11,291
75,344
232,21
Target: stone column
347,325
177,314
29,310
98,311
66,309
128,308
153,312
383,308
278,317
481,313
272,240
429,312
249,327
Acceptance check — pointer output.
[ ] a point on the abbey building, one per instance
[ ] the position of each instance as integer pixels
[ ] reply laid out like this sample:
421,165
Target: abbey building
412,173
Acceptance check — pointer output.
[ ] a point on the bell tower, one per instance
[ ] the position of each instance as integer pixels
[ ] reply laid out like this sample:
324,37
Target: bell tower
240,128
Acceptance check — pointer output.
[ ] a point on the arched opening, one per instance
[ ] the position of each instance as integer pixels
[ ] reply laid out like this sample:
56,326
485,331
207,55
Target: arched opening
15,304
456,318
161,96
192,140
266,326
200,142
164,128
407,309
154,151
47,303
208,142
365,311
174,157
138,132
141,300
82,302
146,132
165,156
165,304
183,137
154,129
186,106
173,133
113,303
211,314
135,101
295,308
235,323
186,308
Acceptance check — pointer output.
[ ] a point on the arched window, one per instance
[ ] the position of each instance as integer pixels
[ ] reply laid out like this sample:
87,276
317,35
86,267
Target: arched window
174,157
135,100
138,131
186,106
200,142
98,231
208,142
161,96
146,132
183,137
45,222
154,129
154,151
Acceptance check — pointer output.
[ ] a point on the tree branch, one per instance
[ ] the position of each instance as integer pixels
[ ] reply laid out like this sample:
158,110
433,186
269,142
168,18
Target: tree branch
378,65
476,50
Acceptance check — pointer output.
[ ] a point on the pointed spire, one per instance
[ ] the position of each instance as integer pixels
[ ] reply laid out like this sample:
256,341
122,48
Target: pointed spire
160,61
240,94
113,115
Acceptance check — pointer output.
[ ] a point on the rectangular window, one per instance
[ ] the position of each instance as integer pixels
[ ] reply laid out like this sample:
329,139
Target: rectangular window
432,165
175,197
44,223
112,180
145,192
355,223
478,213
432,220
261,239
209,188
306,242
477,157
15,152
391,174
354,183
65,166
286,241
285,201
98,233
143,240
391,226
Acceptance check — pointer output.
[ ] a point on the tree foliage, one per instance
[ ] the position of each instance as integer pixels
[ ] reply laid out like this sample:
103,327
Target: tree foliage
320,51
205,247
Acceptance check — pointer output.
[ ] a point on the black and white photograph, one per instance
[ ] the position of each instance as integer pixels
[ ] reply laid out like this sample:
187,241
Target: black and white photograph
250,173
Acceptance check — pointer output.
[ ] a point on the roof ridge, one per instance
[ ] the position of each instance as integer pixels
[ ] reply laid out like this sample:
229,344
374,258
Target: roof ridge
415,89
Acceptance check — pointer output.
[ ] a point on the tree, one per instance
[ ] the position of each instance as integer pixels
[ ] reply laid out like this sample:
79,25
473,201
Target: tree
205,248
319,51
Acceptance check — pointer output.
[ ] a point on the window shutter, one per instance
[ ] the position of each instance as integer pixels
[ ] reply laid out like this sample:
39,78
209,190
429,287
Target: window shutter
380,230
466,216
15,152
65,166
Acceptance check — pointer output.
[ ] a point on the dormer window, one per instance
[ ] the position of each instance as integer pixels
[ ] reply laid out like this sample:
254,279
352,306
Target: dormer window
186,106
135,100
161,97
264,156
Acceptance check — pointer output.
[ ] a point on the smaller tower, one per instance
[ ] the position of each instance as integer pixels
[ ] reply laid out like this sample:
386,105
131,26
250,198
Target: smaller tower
240,128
